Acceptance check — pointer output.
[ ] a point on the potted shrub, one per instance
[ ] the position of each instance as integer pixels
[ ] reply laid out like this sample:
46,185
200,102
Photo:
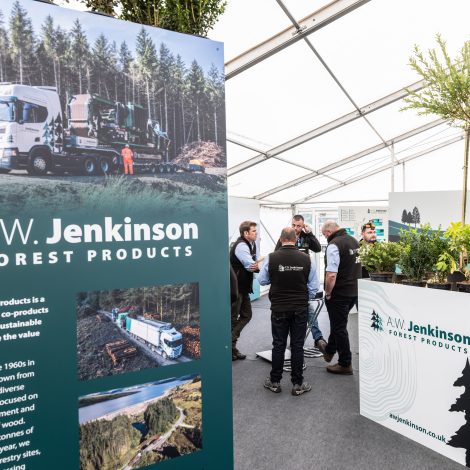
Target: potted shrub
380,259
459,237
418,254
446,264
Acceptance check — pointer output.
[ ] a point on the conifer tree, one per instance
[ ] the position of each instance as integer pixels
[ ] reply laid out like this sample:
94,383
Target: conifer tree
461,438
79,54
376,322
21,40
4,50
146,61
404,216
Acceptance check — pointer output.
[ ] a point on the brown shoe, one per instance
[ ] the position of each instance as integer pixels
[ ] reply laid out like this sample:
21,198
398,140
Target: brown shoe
337,369
327,356
321,345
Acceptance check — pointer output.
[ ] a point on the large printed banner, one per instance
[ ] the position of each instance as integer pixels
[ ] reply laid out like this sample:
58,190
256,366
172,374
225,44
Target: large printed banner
114,310
414,349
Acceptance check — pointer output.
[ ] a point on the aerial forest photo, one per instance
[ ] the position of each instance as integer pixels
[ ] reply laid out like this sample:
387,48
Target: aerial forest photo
139,426
124,330
83,95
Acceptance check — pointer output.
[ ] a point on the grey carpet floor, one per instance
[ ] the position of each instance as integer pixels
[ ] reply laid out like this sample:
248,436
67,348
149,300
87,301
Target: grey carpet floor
318,430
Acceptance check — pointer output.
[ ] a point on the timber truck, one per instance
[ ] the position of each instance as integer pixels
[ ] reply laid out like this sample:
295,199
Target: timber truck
36,135
159,336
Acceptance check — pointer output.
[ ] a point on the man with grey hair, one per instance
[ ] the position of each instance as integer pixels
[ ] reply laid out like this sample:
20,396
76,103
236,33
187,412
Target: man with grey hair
341,274
293,280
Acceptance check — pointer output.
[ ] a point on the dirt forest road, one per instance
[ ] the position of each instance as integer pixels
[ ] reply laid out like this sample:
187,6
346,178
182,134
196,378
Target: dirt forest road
158,443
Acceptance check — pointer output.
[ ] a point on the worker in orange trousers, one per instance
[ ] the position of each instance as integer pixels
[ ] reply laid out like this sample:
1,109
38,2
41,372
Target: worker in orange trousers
128,159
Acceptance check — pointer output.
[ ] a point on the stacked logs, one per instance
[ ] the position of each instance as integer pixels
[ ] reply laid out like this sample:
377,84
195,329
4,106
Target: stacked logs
119,350
191,342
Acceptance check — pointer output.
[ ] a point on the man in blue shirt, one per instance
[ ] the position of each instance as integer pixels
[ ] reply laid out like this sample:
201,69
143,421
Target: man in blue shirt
293,280
243,262
341,274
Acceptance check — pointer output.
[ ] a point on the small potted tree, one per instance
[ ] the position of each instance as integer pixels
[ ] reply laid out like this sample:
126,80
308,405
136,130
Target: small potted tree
380,260
418,254
459,237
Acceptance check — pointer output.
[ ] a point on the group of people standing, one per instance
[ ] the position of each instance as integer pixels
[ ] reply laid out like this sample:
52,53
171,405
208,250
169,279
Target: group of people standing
292,275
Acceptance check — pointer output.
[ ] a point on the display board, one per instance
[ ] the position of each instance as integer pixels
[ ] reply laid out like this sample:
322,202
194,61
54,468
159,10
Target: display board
353,217
114,329
410,209
414,346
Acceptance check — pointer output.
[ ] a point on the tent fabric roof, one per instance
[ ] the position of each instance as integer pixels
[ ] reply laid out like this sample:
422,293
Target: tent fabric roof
314,92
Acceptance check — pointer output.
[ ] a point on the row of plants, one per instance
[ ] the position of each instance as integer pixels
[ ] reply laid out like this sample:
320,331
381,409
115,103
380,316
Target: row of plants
424,257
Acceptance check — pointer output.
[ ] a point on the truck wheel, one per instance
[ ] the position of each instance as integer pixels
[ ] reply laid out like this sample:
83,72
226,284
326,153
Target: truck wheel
38,164
105,166
89,166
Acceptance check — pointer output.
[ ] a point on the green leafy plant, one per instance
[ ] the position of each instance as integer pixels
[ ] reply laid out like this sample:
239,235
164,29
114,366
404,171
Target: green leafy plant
379,257
446,263
446,92
185,16
459,237
420,250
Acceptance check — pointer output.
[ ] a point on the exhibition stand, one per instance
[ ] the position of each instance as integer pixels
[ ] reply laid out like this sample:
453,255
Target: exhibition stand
414,346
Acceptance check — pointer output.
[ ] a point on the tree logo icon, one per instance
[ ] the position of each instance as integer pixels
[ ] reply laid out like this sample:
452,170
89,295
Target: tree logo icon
376,322
462,437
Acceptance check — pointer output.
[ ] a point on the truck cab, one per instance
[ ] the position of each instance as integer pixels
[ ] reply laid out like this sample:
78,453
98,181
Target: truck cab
28,116
171,343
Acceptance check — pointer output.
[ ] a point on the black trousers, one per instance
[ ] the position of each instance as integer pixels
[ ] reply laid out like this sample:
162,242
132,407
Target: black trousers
241,315
338,310
282,325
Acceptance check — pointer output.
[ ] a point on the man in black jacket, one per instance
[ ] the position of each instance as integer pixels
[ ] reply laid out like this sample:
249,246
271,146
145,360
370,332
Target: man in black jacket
293,280
341,274
243,262
305,240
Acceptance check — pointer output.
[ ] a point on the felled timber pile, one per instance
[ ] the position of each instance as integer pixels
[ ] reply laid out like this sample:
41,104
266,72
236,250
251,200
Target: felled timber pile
152,316
209,153
119,350
191,342
85,311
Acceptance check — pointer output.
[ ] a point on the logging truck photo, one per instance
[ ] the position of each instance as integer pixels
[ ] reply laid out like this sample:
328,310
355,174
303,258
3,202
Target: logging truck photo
37,136
124,330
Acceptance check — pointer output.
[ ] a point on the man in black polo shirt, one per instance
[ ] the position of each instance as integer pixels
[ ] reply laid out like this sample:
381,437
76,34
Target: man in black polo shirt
293,280
341,274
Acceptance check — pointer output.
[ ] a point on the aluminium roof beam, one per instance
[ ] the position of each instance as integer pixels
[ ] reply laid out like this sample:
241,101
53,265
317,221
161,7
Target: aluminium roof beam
328,69
381,169
317,20
325,128
351,158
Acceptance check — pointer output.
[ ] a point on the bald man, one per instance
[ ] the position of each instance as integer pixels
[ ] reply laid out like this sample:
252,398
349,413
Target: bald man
342,271
293,280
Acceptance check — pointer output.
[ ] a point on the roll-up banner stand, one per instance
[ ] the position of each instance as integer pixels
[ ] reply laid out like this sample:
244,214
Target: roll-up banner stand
114,297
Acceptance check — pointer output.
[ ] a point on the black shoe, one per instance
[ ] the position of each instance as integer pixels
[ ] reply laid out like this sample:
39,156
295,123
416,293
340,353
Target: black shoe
238,354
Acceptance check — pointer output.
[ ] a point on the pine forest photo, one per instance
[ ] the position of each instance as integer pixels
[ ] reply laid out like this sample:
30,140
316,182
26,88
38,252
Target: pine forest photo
83,94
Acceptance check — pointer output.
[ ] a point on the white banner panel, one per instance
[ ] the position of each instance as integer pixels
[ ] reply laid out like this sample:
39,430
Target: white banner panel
414,346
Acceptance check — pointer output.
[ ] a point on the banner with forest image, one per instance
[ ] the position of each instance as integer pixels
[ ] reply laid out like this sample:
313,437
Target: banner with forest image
114,310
